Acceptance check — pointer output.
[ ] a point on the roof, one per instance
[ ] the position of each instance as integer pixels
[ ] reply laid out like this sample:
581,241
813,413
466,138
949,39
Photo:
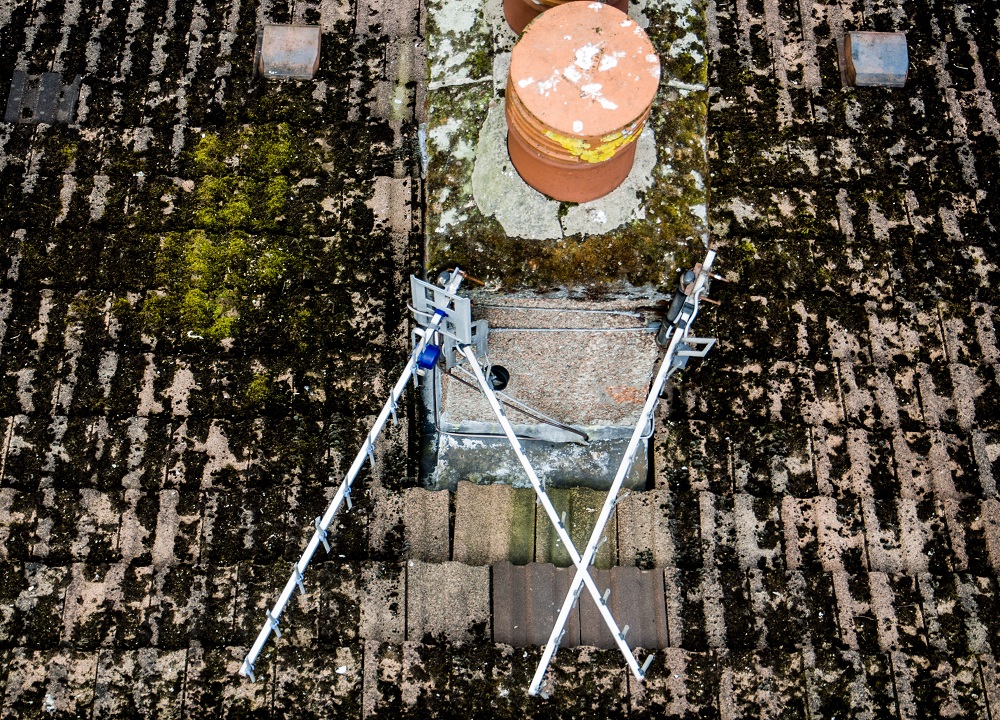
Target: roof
201,301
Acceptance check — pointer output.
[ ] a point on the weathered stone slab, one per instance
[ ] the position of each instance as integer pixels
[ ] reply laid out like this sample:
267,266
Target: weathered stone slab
91,591
772,463
644,536
988,667
144,682
5,663
503,672
337,586
677,684
213,685
202,455
447,600
186,603
789,607
383,603
54,538
691,456
383,666
177,537
935,685
581,507
130,617
391,202
376,18
38,609
43,682
494,523
335,15
603,378
425,678
17,518
762,685
844,681
584,678
323,682
426,519
526,603
256,590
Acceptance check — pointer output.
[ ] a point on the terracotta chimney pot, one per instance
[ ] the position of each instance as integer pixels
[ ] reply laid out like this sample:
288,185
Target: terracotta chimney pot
521,12
582,81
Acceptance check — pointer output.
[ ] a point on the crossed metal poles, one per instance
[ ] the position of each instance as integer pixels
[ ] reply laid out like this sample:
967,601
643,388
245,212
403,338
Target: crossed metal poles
367,452
679,345
681,328
681,325
582,574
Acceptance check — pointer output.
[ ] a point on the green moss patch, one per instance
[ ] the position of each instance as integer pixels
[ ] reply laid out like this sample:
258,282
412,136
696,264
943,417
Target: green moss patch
209,279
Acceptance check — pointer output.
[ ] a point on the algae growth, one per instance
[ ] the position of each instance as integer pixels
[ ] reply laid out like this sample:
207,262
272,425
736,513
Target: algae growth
213,274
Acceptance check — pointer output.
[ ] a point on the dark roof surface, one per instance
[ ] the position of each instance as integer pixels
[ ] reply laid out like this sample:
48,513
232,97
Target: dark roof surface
201,303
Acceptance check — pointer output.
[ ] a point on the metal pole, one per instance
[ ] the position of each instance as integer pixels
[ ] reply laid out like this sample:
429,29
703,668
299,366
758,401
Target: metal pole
564,537
344,491
680,331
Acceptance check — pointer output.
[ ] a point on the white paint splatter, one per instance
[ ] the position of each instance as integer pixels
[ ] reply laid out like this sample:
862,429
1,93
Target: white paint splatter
607,62
525,82
585,56
577,126
547,86
572,74
593,92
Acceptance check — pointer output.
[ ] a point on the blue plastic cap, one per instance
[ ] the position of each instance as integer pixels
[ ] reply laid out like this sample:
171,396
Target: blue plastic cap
429,357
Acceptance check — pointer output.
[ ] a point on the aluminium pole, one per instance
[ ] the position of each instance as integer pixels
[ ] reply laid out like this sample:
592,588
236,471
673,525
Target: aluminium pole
564,537
680,331
344,491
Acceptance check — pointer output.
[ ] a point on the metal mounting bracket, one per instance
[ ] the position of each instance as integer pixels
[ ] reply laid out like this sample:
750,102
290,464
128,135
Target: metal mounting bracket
692,342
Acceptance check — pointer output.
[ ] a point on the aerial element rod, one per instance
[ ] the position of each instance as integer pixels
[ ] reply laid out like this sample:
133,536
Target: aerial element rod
581,564
687,311
322,525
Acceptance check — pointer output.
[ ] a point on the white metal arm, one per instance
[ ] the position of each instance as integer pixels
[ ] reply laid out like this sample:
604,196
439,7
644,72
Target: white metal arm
344,491
681,327
581,574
